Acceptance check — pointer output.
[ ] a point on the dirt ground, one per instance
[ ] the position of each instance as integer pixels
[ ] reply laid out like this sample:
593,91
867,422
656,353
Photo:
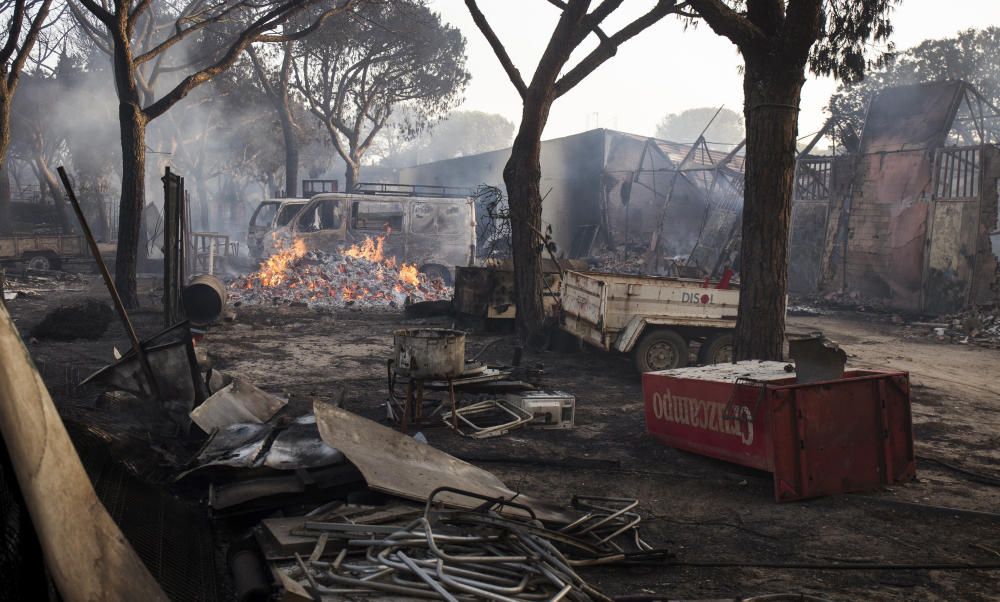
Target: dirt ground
704,511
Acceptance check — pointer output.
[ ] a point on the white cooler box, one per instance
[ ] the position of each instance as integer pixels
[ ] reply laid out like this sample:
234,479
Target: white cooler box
552,409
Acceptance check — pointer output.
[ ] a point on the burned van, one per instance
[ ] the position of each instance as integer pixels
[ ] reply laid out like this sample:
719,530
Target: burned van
269,216
435,234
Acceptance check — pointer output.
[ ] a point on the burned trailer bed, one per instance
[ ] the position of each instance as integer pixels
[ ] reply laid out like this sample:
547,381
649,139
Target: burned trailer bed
42,251
487,293
654,318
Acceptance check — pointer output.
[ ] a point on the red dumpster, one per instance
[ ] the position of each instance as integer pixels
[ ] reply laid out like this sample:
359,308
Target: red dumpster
850,434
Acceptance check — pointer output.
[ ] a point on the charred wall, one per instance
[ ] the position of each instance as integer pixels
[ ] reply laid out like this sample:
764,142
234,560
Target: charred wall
887,227
986,280
822,185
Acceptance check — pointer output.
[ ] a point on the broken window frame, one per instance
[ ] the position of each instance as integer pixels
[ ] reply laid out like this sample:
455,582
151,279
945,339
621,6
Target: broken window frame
391,212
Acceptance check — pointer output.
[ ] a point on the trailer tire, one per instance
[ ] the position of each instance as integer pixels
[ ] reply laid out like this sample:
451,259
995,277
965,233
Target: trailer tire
41,262
661,349
717,349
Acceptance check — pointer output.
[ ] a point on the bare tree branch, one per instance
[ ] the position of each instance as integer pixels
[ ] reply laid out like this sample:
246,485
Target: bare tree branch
29,41
609,47
14,35
498,48
265,23
730,24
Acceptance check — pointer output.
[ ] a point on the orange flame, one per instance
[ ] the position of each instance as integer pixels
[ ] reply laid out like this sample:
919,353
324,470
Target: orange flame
274,269
409,274
369,249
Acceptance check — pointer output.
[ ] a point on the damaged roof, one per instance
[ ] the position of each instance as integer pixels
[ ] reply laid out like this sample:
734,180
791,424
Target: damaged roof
911,117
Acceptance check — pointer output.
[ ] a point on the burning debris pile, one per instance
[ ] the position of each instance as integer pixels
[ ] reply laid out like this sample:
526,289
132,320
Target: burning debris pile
359,276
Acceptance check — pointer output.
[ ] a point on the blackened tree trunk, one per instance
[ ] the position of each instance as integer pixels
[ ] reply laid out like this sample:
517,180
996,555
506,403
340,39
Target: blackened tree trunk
277,92
291,162
551,79
6,221
522,176
133,136
771,98
352,174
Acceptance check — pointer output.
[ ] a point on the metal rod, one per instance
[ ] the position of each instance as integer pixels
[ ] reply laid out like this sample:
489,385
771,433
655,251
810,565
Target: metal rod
115,297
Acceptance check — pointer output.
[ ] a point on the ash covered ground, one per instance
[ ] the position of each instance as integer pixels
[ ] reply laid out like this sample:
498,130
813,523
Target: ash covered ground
704,511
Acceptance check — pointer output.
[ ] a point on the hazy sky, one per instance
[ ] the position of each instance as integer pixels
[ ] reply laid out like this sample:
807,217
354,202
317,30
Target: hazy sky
666,69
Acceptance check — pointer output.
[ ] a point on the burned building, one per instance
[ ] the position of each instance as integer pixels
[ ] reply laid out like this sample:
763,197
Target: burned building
606,189
906,220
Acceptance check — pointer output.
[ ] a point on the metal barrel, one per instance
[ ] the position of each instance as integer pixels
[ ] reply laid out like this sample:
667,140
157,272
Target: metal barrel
204,299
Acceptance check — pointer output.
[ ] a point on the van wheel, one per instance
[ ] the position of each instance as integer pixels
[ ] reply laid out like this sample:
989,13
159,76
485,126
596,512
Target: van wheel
717,349
434,272
661,350
39,262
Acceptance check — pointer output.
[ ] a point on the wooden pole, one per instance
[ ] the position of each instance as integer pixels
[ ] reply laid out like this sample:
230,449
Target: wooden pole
85,552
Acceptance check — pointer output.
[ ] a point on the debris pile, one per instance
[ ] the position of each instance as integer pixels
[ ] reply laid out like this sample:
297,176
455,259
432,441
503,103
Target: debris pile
86,320
975,326
618,261
358,276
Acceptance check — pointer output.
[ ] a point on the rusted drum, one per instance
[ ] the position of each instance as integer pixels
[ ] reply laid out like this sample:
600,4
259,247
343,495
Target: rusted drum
429,353
204,299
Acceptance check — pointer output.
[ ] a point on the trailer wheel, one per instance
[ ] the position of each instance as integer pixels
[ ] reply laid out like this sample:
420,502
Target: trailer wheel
661,349
39,262
717,349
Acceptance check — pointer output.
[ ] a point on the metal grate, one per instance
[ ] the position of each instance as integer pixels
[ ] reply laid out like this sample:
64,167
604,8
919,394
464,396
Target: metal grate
812,179
958,173
173,540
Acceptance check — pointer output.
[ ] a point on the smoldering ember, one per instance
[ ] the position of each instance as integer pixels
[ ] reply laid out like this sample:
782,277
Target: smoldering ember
435,300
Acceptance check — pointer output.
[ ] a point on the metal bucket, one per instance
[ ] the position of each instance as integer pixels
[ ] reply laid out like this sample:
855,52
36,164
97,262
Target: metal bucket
204,299
429,353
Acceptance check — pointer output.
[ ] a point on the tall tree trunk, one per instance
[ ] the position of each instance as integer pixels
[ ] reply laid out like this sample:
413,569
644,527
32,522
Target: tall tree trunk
6,221
522,175
56,192
133,135
291,140
352,174
291,167
772,88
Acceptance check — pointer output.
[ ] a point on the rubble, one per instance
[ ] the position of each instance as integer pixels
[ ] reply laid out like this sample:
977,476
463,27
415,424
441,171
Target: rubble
86,320
978,325
359,276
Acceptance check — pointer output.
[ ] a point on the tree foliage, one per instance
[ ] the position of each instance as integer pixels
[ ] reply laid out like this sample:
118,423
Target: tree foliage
686,126
359,68
969,56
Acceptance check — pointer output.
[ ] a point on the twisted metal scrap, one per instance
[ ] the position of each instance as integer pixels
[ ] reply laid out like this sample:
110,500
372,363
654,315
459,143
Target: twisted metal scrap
459,555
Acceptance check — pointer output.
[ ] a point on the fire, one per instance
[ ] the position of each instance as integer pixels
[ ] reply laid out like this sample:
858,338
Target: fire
361,274
273,271
370,249
409,274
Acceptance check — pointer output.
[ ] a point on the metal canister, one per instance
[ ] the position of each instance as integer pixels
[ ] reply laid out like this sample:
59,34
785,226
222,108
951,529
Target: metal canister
429,353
